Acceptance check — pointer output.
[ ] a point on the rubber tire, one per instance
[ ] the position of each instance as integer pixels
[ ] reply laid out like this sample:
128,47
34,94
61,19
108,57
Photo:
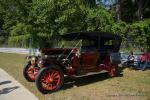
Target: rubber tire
37,79
25,74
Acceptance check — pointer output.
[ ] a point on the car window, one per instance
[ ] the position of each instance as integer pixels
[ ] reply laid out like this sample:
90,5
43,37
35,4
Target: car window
70,44
88,43
88,46
108,42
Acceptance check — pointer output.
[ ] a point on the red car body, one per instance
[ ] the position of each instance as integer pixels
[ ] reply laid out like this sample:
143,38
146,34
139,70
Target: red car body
100,53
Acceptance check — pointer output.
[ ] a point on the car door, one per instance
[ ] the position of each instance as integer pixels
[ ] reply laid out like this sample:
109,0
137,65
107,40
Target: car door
89,60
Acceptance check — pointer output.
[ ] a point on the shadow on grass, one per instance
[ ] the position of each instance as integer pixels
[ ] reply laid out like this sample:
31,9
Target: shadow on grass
77,82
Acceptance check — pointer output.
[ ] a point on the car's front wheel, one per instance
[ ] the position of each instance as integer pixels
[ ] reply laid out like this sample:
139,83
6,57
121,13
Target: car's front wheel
49,79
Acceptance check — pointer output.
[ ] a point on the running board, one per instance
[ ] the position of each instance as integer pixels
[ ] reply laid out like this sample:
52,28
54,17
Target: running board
90,73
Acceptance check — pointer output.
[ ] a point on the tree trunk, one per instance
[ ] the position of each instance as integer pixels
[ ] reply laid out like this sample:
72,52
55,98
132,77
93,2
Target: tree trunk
139,12
118,13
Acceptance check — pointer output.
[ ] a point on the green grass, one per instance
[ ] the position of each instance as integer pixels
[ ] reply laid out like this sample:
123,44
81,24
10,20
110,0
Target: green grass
132,85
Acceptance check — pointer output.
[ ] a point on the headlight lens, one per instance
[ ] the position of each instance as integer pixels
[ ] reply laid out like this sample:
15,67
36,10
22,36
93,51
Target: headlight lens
40,64
33,60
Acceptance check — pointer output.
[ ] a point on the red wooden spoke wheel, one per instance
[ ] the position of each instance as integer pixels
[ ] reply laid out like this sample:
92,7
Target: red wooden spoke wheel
49,79
112,72
29,72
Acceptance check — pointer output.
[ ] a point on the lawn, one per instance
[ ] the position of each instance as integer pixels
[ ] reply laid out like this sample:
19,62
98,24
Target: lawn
132,84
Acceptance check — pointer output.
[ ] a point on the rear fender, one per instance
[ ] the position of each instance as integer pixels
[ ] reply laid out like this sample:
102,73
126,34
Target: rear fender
115,58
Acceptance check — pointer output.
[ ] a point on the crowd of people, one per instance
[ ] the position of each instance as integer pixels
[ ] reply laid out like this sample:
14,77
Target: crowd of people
143,60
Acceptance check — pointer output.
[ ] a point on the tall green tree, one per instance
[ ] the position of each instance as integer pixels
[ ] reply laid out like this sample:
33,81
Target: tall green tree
39,20
141,33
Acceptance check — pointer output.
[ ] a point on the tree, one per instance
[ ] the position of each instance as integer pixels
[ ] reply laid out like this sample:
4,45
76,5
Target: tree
141,33
13,12
39,20
136,30
133,10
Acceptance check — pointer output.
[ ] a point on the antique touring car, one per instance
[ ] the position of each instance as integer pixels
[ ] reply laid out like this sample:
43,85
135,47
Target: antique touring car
89,53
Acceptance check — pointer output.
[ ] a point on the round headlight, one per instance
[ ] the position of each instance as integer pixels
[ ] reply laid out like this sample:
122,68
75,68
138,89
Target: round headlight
40,63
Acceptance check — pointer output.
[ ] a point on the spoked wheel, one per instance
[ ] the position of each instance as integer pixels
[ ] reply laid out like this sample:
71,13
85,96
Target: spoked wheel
29,72
112,71
49,79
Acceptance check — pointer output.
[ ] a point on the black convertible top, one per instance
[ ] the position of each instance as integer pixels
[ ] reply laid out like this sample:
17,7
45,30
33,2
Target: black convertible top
91,35
99,37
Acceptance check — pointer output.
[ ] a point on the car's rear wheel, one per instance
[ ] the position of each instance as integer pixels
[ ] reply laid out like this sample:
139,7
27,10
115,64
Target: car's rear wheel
49,79
29,72
112,71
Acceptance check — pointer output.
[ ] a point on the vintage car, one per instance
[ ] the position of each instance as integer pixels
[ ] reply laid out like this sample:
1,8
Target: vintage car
89,53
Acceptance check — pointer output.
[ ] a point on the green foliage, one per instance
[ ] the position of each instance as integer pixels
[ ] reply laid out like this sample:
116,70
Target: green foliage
141,32
40,19
20,34
99,19
120,28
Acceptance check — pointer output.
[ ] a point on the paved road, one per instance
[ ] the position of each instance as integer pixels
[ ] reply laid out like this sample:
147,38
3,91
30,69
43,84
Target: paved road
10,89
18,50
14,50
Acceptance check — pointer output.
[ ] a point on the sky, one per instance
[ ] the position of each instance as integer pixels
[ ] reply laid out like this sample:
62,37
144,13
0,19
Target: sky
106,3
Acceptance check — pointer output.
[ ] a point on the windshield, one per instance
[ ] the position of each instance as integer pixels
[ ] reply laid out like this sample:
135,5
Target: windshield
63,43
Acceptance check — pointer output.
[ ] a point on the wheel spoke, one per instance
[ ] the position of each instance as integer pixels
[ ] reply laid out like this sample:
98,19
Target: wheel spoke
49,75
52,74
29,72
56,74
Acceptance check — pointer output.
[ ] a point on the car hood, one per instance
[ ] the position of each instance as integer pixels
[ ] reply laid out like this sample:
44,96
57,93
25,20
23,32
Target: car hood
56,51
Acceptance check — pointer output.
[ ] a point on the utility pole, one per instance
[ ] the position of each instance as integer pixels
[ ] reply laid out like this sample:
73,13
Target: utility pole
139,12
30,45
